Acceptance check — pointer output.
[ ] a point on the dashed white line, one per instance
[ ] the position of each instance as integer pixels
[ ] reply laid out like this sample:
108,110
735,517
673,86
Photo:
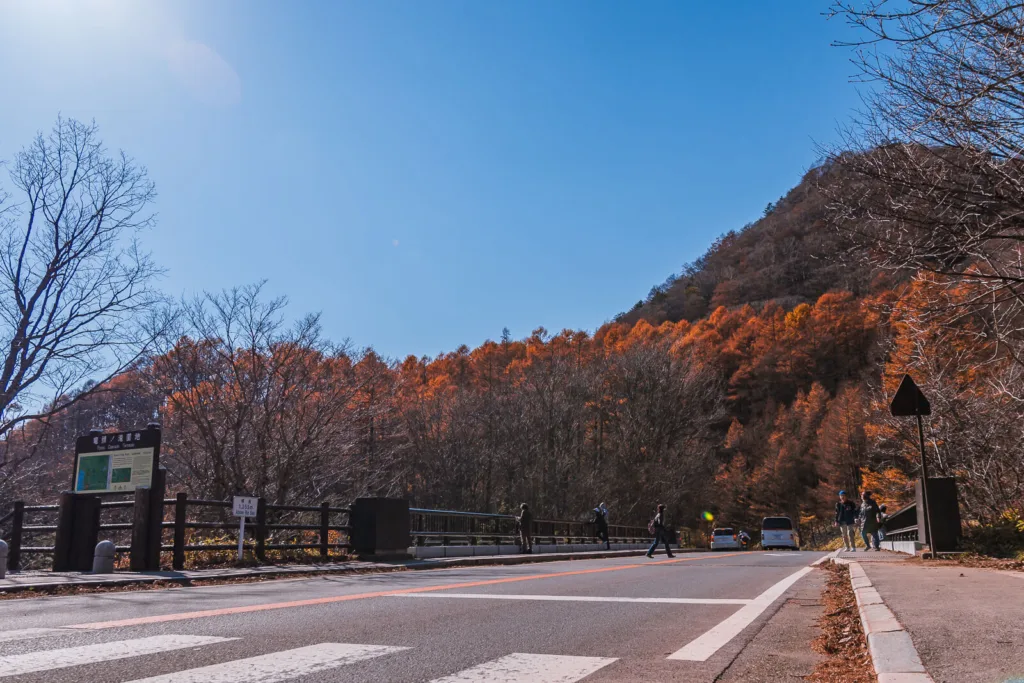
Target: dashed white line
525,668
580,598
701,648
47,660
278,666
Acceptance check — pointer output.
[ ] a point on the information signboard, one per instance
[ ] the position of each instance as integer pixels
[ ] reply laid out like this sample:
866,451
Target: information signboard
244,506
116,463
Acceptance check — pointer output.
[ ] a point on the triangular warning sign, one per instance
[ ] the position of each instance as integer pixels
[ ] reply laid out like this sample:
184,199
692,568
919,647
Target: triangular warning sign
909,400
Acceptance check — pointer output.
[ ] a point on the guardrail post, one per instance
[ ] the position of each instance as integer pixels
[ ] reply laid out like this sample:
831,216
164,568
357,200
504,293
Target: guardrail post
78,525
444,530
14,547
180,516
155,527
140,530
325,529
472,531
261,530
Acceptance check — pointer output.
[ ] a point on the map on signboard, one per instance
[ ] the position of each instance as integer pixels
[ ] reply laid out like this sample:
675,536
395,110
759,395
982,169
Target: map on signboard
115,463
93,472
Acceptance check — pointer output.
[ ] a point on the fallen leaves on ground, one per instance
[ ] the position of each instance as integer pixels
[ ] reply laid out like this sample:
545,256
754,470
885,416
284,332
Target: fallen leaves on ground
842,639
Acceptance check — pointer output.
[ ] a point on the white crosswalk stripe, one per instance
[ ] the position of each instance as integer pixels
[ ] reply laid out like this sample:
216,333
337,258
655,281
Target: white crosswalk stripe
278,666
525,668
47,660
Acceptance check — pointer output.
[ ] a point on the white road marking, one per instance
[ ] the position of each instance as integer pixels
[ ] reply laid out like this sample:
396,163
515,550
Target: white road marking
524,668
834,553
700,649
47,660
27,633
580,598
278,666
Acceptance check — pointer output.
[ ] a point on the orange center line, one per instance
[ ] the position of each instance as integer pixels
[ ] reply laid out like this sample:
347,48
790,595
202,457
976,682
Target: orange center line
181,616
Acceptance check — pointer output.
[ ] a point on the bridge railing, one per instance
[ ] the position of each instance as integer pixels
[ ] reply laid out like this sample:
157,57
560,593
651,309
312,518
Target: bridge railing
195,525
429,527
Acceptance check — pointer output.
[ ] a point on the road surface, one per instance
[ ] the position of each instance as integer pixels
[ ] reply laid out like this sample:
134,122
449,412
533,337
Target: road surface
623,619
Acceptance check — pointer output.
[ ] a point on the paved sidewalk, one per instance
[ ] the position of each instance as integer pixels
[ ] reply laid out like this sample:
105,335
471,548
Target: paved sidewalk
965,623
46,581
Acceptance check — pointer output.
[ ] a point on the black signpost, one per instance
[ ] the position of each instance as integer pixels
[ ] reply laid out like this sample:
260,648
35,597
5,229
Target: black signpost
909,401
110,464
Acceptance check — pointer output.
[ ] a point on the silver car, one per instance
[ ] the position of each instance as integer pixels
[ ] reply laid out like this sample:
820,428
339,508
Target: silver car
725,539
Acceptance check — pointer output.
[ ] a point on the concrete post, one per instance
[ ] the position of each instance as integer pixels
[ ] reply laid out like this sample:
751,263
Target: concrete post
3,558
103,560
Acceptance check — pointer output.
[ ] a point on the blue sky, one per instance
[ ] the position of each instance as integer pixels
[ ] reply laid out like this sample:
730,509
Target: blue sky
427,173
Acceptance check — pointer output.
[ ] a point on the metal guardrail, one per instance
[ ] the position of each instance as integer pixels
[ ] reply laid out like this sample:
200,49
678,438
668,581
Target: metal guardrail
902,524
453,527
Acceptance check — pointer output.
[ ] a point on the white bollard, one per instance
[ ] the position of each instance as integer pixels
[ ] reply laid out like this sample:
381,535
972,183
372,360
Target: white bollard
3,558
103,560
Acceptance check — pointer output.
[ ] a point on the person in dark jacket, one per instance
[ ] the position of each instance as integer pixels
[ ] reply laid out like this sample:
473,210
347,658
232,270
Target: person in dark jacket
525,520
660,532
869,521
601,526
846,518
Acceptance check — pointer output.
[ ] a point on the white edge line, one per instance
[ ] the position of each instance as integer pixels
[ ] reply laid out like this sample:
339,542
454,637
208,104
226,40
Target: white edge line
702,647
579,598
818,561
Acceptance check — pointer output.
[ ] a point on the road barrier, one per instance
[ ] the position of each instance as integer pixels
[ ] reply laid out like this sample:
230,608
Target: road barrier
452,533
145,527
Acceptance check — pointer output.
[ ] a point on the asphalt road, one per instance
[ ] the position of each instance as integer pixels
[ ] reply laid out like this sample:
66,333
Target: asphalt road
622,619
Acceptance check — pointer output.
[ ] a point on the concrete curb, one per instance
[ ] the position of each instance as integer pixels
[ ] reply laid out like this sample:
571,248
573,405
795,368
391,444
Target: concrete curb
196,578
893,654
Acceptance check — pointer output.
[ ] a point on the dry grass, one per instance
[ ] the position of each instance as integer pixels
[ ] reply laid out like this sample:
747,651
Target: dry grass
842,639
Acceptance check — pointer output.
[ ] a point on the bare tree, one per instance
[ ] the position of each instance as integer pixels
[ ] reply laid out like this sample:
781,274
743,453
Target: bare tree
253,405
76,296
935,181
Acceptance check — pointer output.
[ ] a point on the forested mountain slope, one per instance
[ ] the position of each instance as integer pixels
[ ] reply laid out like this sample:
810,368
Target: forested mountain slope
790,255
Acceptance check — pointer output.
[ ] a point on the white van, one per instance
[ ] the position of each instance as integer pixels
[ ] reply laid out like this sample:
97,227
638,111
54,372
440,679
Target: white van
778,532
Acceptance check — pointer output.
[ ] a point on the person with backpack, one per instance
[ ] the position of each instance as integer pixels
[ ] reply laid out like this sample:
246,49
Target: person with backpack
525,521
869,521
601,526
846,517
659,528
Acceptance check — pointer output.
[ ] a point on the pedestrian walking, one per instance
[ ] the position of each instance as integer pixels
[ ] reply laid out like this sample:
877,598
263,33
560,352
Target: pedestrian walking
846,518
600,523
869,514
660,528
883,517
525,520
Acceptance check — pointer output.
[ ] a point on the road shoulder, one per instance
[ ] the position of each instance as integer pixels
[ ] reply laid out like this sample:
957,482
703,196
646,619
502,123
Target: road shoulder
781,650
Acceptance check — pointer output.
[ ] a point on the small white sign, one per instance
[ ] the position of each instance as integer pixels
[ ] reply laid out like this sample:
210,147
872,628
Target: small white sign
244,506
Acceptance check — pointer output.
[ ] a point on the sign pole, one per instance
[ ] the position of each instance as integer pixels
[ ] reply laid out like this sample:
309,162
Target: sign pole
924,487
241,537
910,402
